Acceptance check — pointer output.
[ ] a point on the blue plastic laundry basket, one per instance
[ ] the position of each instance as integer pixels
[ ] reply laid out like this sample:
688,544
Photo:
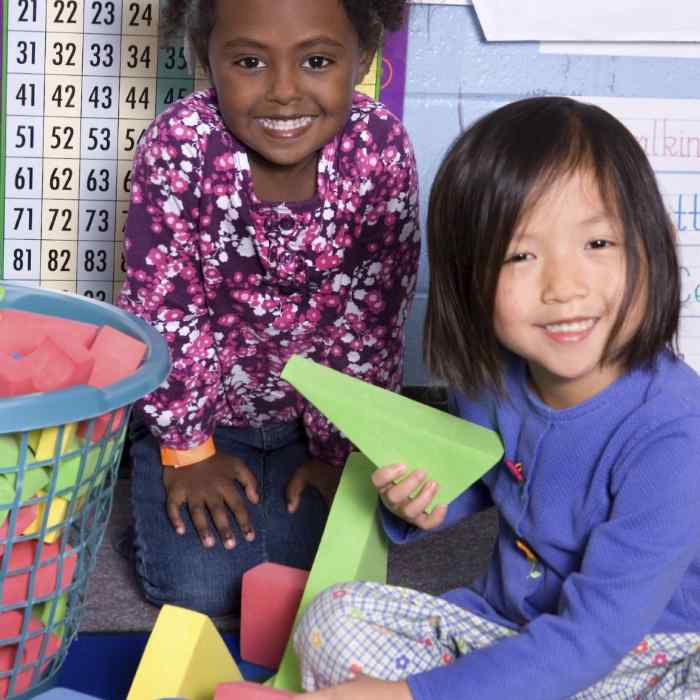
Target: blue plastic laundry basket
43,582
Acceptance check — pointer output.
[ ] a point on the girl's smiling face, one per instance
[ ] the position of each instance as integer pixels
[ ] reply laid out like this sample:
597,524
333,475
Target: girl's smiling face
560,289
284,72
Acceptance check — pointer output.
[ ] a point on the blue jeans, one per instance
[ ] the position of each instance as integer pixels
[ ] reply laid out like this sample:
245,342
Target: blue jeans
177,569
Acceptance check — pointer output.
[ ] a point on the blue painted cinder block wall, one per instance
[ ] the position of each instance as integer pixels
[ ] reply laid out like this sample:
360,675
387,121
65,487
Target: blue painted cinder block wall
454,76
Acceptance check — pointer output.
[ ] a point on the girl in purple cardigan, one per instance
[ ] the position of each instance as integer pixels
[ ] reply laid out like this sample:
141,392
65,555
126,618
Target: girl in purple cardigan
553,312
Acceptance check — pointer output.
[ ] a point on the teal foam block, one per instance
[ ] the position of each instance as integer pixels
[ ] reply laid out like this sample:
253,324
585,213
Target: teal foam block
391,429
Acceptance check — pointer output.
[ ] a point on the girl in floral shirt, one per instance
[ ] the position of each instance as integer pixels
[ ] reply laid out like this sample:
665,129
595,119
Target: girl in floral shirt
274,214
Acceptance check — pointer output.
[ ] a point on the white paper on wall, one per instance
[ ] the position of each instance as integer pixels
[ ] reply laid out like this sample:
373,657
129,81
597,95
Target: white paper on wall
669,133
589,20
631,48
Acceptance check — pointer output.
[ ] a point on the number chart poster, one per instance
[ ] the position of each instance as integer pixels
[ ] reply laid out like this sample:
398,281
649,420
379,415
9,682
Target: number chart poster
80,82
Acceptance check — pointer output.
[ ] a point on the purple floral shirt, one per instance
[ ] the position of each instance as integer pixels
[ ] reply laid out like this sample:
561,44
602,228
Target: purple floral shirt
237,285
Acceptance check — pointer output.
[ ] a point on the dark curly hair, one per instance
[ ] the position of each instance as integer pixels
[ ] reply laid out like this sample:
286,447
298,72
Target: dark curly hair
195,20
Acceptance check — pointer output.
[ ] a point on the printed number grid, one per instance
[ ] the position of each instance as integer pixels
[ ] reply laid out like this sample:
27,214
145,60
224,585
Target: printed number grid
84,79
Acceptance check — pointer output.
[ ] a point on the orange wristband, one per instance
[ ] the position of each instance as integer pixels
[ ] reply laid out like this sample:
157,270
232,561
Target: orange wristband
184,458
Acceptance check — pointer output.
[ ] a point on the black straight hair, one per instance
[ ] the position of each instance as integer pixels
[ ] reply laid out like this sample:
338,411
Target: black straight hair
490,177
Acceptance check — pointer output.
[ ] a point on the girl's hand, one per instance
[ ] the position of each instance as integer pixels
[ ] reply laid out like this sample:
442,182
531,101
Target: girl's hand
209,486
362,688
397,497
322,476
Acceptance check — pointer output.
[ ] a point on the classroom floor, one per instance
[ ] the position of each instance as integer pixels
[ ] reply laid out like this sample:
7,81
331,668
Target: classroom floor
441,562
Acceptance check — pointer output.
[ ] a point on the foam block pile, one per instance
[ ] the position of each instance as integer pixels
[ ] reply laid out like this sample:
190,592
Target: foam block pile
45,476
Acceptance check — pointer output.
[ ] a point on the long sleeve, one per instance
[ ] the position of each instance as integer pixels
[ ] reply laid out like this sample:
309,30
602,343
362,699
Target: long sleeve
473,500
378,279
164,283
631,569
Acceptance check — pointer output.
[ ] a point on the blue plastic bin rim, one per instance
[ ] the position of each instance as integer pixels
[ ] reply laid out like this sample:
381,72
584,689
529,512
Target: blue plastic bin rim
81,402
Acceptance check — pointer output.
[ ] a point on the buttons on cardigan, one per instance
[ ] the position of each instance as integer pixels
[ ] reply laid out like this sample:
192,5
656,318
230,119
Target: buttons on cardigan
516,469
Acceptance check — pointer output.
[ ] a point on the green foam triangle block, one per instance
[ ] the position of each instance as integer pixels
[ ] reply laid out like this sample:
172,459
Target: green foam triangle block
392,429
352,548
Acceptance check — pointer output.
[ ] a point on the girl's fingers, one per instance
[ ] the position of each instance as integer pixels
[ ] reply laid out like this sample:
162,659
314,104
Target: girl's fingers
421,501
385,476
241,514
247,480
398,494
220,517
174,515
430,521
201,524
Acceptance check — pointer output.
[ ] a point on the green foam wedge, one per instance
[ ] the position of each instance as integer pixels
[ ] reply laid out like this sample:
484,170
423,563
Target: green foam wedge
392,429
352,548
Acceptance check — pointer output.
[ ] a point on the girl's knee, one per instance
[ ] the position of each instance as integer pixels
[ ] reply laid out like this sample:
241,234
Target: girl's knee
323,617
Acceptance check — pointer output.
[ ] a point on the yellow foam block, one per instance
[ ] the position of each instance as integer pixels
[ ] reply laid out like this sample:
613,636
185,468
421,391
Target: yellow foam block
57,514
185,657
43,442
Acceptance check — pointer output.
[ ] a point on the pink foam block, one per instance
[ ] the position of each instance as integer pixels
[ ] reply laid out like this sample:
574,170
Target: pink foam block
101,424
26,515
15,587
269,600
15,376
22,331
247,691
30,654
59,363
116,356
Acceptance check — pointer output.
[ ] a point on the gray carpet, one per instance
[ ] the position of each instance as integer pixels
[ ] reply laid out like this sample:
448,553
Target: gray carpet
441,562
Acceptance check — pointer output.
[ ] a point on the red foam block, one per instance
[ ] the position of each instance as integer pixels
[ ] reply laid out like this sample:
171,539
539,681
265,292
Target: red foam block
23,331
30,652
59,364
26,515
270,598
15,587
243,690
116,355
16,376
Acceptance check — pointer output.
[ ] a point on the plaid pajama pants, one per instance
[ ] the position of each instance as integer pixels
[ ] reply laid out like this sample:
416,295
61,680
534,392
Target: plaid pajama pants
390,633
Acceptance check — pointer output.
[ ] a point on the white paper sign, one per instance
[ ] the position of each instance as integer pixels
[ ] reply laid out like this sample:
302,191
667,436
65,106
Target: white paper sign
589,20
669,133
631,48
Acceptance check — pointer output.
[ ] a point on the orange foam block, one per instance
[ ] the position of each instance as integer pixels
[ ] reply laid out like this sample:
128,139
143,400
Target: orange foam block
31,651
270,598
248,691
15,587
116,355
23,331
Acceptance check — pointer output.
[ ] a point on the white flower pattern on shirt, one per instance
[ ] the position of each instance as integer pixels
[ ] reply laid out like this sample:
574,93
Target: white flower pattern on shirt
237,285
